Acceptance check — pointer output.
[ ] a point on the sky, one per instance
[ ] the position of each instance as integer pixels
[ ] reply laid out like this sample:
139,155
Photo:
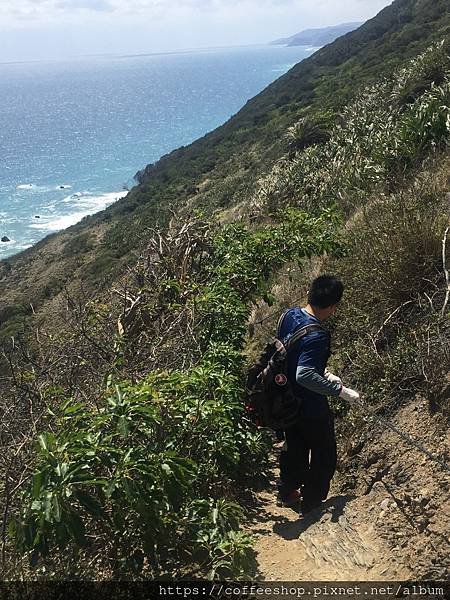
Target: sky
54,29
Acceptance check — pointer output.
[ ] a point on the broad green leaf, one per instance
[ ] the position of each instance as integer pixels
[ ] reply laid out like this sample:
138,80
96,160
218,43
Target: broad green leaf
90,503
37,484
56,509
123,426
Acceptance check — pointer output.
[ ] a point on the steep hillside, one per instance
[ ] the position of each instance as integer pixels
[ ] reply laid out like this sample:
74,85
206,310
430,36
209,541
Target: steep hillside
126,452
221,169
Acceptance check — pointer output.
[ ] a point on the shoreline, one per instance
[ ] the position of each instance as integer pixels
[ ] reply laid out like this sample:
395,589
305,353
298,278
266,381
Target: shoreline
85,204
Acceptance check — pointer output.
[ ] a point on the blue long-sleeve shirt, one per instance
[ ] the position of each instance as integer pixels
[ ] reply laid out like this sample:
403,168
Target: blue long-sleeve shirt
307,362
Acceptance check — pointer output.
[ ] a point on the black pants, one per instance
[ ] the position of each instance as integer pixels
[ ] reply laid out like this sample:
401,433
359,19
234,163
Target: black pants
309,459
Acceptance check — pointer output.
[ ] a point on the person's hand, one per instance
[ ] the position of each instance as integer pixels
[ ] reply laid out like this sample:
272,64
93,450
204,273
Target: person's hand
351,396
332,378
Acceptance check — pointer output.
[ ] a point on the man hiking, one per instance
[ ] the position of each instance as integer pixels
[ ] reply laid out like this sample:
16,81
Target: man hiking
308,458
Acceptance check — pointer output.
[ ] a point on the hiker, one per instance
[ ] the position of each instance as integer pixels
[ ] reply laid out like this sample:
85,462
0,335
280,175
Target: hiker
308,457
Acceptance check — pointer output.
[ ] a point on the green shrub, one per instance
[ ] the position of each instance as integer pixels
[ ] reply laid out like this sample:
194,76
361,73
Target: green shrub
149,474
392,270
373,145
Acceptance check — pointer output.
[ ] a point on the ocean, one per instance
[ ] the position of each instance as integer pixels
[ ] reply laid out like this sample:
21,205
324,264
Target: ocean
73,134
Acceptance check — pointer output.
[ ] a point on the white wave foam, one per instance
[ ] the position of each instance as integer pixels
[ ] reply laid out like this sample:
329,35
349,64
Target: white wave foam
26,186
75,196
88,205
6,219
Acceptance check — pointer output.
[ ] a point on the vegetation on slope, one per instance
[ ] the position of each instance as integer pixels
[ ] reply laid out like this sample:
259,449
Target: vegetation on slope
140,472
386,166
145,474
380,138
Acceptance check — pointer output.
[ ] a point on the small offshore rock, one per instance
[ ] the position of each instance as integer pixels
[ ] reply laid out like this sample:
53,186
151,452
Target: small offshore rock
5,238
37,216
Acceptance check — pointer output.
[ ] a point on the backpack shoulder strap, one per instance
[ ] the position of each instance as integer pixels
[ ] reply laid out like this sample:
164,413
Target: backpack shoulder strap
280,323
300,333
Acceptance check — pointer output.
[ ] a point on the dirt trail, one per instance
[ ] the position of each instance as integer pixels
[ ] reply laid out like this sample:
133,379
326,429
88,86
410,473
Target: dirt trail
335,544
382,529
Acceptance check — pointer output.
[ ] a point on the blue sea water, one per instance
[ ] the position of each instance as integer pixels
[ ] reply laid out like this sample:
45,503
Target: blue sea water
73,134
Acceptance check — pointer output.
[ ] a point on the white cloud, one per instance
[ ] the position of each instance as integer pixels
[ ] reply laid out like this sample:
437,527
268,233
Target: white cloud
40,10
94,5
38,28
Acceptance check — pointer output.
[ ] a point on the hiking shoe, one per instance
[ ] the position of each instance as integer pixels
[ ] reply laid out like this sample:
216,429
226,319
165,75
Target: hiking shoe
293,499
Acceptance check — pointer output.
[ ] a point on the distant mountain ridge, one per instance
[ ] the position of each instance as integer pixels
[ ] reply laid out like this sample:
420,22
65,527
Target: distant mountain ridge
317,37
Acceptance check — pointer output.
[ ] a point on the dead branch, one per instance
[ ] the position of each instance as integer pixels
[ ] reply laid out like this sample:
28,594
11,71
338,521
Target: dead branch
447,276
386,321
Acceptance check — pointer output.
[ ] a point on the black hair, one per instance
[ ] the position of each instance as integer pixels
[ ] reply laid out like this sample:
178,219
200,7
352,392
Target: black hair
325,291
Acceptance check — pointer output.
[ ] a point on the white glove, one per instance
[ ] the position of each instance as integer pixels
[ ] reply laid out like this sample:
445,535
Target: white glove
351,396
332,378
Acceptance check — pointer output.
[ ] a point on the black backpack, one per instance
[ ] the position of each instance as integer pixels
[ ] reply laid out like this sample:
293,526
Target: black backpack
270,398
